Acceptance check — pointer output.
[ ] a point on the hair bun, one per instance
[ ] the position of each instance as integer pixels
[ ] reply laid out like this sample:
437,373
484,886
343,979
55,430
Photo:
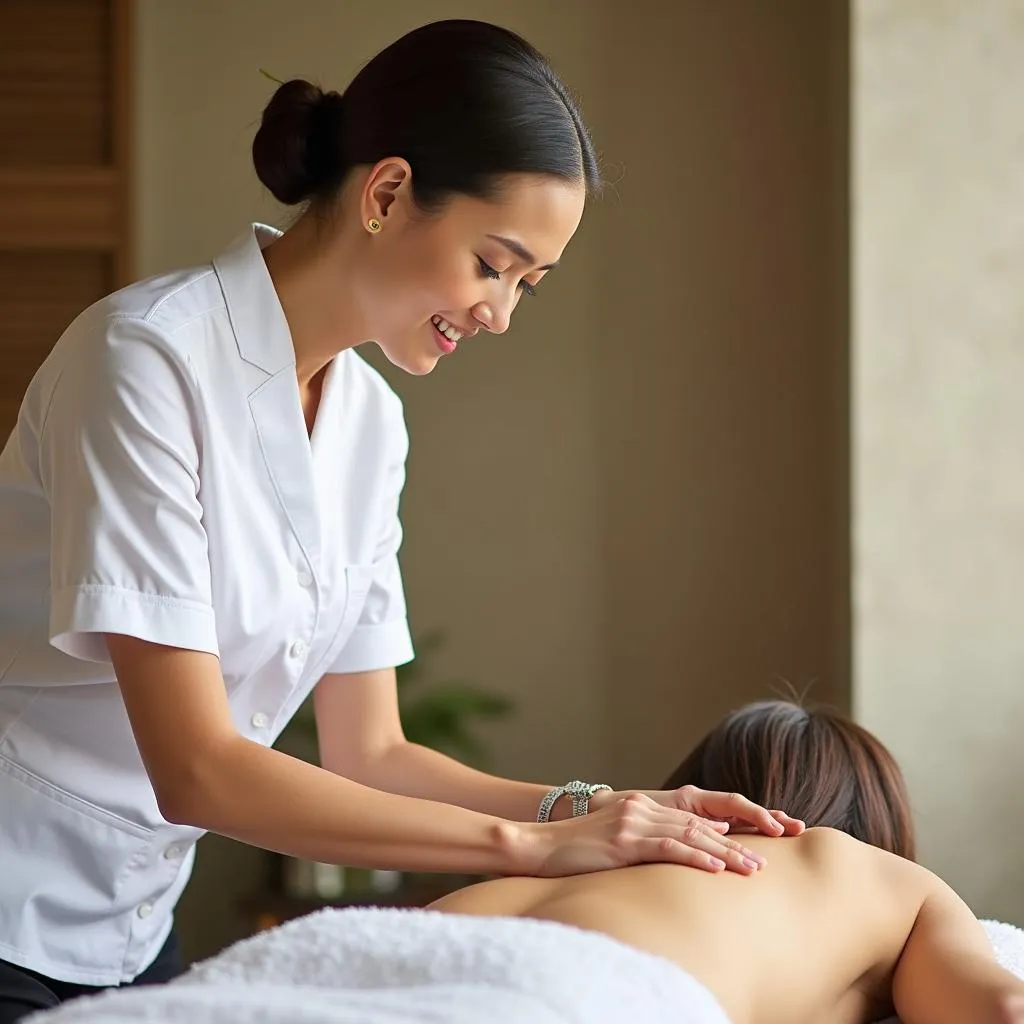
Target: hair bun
295,151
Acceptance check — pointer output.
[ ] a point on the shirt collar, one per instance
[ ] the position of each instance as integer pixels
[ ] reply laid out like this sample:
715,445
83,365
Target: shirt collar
254,309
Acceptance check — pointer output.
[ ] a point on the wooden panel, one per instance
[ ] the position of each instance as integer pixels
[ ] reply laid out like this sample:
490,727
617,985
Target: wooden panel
122,75
40,294
56,104
65,173
55,209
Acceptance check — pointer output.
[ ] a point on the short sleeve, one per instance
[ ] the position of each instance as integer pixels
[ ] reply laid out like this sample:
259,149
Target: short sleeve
119,464
381,638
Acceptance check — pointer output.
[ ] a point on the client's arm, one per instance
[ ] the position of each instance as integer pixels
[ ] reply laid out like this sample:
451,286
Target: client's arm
947,973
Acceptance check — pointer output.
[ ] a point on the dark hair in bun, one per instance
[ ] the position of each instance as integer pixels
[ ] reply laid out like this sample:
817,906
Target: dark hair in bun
465,102
295,151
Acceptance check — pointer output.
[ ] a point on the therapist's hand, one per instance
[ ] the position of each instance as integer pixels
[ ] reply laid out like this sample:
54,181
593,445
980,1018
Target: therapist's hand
633,828
728,812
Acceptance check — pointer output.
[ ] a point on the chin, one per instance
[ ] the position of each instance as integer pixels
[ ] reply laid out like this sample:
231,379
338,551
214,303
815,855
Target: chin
414,359
418,369
414,363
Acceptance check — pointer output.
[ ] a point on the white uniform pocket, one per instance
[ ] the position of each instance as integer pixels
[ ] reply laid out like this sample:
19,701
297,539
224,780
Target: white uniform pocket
41,901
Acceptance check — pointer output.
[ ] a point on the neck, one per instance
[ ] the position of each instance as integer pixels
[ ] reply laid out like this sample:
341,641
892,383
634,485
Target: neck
307,267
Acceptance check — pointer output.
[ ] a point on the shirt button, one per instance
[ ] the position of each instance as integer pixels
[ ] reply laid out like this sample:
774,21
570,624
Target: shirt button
172,853
145,909
304,578
259,720
298,649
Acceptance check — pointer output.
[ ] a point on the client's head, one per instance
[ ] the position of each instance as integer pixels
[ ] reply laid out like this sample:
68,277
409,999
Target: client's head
813,764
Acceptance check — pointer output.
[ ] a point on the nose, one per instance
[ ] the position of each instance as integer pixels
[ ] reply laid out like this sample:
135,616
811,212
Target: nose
493,316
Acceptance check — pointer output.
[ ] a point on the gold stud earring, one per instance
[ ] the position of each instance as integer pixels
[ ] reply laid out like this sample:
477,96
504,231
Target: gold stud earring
373,224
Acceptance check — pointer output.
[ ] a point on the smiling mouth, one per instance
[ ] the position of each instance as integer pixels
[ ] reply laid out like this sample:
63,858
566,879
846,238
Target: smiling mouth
451,332
444,344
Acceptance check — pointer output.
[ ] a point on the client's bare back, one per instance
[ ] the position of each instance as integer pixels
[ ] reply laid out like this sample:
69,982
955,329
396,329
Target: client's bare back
814,936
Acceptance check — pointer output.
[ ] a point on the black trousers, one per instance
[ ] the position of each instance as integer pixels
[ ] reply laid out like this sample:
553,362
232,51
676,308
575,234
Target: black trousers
23,991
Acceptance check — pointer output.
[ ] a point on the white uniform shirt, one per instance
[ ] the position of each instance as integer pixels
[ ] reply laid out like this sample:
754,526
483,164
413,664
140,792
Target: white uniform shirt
160,483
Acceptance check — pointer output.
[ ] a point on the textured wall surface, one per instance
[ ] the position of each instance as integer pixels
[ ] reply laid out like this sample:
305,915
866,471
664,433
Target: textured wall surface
938,376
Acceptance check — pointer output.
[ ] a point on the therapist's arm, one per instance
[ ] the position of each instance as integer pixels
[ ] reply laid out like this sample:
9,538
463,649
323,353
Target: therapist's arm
205,774
360,737
360,734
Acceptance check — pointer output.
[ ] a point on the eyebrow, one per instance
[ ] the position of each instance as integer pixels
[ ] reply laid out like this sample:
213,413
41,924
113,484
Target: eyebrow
521,251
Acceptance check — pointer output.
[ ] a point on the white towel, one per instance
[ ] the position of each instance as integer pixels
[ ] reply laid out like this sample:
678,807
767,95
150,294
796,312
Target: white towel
384,966
420,967
255,1003
1008,945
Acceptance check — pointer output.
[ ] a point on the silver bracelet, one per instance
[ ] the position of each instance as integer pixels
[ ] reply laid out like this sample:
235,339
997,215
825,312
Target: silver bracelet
581,792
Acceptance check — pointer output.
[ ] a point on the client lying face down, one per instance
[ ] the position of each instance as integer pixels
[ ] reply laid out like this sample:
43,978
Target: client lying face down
841,925
830,771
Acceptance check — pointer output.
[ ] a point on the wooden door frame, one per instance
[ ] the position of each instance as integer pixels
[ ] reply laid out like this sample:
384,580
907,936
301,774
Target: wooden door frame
123,85
83,208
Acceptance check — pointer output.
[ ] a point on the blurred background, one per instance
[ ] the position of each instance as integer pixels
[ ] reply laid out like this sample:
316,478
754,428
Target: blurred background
766,427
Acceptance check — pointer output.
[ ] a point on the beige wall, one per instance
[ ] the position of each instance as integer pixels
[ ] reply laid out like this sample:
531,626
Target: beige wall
629,512
721,378
939,423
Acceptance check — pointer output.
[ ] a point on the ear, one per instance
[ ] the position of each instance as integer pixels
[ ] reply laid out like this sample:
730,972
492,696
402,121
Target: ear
390,180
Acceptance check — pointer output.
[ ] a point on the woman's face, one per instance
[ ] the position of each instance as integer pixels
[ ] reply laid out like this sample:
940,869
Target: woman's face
431,283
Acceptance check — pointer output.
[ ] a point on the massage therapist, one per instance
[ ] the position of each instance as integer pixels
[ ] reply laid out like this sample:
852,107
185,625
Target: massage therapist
199,525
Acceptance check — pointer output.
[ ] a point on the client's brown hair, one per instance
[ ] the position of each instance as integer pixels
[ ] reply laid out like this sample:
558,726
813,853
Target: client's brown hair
816,765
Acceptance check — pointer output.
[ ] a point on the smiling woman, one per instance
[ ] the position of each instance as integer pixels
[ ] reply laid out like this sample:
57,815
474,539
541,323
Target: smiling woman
199,511
434,198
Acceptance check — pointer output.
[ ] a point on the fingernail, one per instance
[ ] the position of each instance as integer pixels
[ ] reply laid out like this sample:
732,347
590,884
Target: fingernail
778,826
716,863
747,862
755,857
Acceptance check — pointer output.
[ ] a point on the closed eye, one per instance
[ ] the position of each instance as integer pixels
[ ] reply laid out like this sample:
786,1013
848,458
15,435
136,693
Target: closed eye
495,275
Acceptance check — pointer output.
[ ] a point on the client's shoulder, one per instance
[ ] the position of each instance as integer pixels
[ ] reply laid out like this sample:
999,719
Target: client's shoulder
832,842
828,850
838,851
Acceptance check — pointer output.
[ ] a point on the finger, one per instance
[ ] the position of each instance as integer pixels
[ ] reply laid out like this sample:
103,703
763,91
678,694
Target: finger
653,850
734,855
742,851
753,814
792,826
737,856
735,805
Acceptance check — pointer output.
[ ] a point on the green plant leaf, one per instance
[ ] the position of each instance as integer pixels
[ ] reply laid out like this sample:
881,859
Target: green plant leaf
438,719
